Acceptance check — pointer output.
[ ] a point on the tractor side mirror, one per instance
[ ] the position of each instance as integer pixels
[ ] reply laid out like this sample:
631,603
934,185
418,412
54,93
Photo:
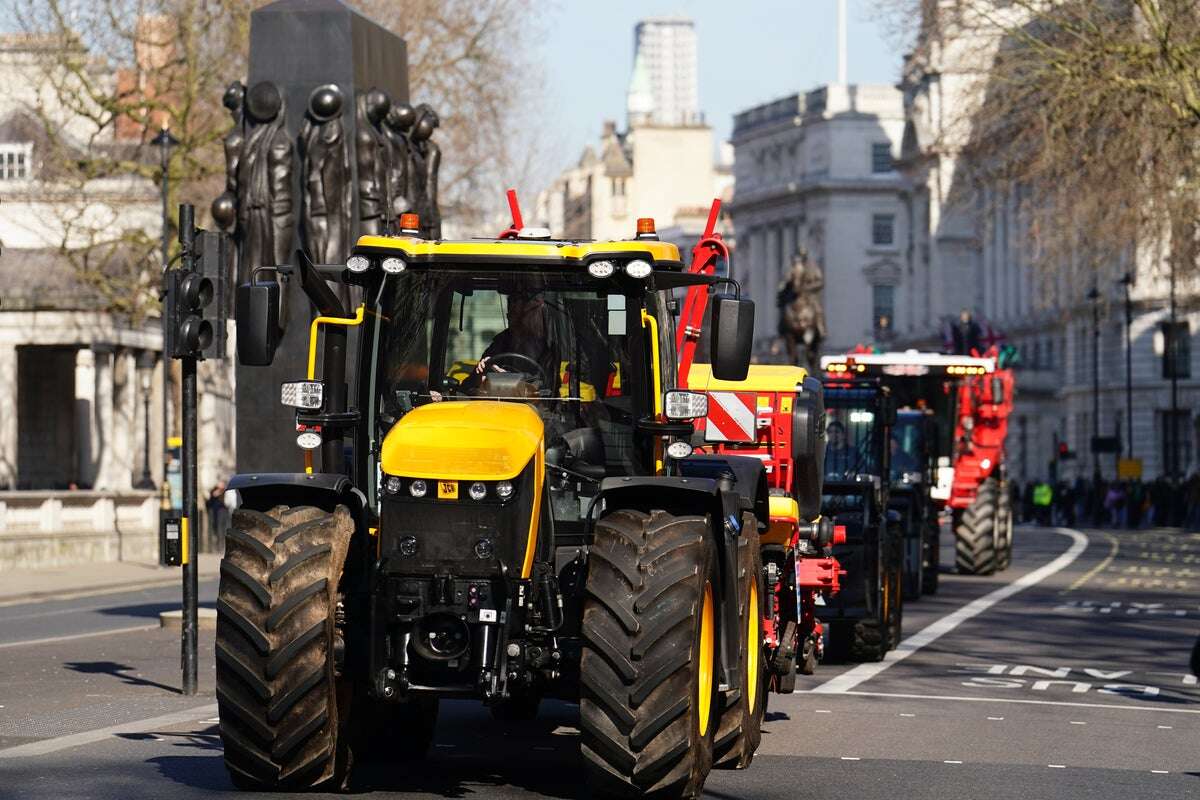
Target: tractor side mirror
732,337
257,322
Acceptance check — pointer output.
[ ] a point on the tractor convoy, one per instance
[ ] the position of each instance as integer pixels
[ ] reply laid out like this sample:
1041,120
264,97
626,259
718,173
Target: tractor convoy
547,469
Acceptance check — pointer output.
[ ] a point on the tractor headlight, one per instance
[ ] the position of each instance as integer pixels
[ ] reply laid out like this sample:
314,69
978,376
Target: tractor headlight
601,269
685,405
392,484
418,488
309,440
638,269
477,491
504,489
408,546
679,449
302,394
393,266
357,264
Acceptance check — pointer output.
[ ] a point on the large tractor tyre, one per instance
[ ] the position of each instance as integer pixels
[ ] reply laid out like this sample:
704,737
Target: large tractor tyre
739,731
1004,528
932,548
913,557
975,532
870,638
648,699
895,611
390,732
277,682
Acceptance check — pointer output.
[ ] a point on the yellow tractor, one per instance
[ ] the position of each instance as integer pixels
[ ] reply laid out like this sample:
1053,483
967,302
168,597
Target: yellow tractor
506,508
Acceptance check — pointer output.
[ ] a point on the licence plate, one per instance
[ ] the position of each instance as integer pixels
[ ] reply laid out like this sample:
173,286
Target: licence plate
447,490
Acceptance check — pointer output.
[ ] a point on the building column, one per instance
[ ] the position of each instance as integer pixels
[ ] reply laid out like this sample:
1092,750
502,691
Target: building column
103,439
123,453
85,401
8,419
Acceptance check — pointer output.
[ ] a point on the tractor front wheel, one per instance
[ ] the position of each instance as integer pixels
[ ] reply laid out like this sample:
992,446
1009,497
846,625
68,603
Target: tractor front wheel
648,700
277,691
975,532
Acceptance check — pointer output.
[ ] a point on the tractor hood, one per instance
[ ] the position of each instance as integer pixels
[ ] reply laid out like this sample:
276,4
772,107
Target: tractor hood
470,440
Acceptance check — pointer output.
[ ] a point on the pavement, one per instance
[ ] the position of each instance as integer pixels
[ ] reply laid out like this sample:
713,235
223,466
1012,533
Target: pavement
1064,677
23,586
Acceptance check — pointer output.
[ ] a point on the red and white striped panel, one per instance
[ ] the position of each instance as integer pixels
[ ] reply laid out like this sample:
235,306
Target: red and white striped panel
731,417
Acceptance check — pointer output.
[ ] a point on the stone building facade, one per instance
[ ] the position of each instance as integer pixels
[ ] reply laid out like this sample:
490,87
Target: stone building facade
815,172
971,250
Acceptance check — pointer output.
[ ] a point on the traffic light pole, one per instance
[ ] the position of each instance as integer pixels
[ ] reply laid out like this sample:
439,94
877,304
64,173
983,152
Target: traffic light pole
190,627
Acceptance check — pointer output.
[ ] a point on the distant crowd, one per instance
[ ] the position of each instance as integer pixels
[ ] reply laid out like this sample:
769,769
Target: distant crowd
1129,504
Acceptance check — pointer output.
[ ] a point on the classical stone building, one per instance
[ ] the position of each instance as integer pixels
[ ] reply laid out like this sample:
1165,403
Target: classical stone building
814,172
971,250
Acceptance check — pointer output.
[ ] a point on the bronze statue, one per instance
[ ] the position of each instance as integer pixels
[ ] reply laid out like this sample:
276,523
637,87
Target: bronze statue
372,155
266,214
325,197
224,208
426,158
801,318
397,127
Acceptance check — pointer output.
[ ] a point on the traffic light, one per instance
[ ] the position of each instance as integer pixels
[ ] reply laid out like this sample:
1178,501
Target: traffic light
214,260
188,332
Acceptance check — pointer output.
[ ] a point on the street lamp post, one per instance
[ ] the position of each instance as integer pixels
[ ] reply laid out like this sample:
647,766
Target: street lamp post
1094,297
165,141
1127,282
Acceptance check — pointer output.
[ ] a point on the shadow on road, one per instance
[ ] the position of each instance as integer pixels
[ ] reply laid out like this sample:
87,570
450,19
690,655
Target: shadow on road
121,671
151,610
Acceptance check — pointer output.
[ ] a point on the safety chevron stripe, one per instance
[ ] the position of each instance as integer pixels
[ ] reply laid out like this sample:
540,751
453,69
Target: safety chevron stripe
730,417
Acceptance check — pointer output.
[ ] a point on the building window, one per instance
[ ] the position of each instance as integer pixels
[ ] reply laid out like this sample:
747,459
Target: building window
883,228
883,303
618,187
1176,442
1177,350
881,157
15,161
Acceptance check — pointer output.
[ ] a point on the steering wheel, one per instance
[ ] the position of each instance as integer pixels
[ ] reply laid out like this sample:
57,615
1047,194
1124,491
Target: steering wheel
537,368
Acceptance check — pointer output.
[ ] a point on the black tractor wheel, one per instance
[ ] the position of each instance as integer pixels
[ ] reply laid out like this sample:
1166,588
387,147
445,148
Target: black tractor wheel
277,691
895,611
913,548
648,700
1004,528
932,548
872,637
975,532
739,731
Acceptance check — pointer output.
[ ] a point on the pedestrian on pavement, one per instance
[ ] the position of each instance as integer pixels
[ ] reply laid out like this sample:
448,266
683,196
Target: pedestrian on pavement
214,507
1043,497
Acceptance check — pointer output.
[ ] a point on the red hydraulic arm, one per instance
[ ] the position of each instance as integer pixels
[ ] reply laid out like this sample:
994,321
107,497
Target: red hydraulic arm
705,255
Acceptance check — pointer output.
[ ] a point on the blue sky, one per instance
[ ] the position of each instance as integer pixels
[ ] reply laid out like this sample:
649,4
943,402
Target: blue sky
751,51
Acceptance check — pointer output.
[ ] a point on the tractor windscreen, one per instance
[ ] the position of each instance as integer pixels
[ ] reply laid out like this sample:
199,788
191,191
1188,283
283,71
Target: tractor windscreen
573,347
908,447
849,449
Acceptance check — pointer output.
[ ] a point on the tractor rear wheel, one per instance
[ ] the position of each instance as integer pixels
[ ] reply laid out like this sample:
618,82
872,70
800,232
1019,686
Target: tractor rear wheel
277,680
871,638
648,700
975,532
740,730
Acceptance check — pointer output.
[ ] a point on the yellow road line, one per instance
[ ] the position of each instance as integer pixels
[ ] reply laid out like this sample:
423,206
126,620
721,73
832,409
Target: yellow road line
1094,571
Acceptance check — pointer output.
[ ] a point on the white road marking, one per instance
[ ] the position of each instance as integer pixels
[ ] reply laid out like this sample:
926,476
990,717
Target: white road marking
951,762
1160,727
995,719
1128,707
863,672
1087,576
822,711
908,715
1159,772
89,635
1057,766
100,734
1075,722
851,758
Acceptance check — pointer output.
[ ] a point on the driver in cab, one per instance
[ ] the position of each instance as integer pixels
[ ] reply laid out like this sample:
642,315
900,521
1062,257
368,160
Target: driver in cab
525,342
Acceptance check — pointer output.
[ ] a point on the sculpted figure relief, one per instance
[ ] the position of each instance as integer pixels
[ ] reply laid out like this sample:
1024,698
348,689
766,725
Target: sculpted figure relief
224,208
801,318
266,212
325,154
397,128
426,159
373,157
